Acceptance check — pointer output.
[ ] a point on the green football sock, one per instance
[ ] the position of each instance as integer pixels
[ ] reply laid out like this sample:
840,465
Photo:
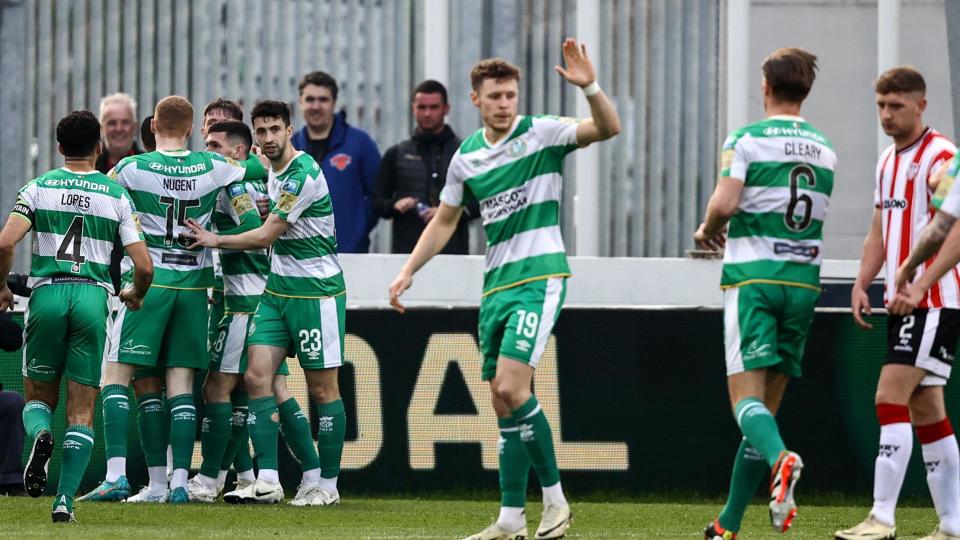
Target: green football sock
749,468
37,417
538,440
214,435
296,433
514,465
760,428
116,418
77,445
264,430
183,429
238,447
332,421
152,427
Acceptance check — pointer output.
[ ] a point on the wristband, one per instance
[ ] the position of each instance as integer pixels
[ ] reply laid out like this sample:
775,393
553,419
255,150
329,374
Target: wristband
591,89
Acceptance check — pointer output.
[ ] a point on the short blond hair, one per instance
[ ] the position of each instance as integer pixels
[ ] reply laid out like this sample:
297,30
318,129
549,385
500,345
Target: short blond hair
118,98
173,116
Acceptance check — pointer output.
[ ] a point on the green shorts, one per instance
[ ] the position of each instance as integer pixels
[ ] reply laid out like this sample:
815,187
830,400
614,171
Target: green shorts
312,329
517,322
65,332
228,351
766,325
167,331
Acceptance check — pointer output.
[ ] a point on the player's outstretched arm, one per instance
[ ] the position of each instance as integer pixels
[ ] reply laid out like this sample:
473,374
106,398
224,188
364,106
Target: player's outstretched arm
604,122
435,236
16,228
133,295
871,261
262,237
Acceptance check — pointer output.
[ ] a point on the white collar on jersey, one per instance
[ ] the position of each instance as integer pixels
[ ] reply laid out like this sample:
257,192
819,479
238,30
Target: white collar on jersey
786,117
287,166
174,153
77,172
516,122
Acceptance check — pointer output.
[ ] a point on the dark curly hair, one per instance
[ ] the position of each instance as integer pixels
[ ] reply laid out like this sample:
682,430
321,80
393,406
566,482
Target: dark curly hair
271,109
78,133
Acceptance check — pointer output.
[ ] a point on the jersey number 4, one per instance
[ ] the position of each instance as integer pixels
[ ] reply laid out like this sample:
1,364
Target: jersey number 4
800,210
71,249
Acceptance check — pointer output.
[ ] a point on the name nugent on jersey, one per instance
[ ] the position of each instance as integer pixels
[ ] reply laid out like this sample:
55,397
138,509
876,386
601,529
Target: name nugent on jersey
180,184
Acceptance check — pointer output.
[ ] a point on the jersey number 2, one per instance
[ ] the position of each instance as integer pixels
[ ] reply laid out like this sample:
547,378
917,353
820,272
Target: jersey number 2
71,249
795,218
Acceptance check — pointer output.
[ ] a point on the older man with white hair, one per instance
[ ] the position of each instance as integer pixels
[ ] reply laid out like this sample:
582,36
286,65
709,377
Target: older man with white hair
118,128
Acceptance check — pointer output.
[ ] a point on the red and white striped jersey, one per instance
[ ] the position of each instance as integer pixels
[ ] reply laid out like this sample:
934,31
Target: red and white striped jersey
903,196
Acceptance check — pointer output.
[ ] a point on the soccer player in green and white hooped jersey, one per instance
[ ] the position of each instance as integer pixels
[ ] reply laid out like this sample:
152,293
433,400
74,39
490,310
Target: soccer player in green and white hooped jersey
168,186
76,213
776,176
244,278
302,309
513,167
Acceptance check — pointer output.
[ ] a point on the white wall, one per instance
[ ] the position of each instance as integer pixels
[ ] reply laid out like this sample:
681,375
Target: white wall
843,33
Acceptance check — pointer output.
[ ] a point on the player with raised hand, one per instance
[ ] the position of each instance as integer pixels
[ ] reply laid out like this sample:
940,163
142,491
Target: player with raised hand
302,310
76,213
513,165
776,177
920,345
168,337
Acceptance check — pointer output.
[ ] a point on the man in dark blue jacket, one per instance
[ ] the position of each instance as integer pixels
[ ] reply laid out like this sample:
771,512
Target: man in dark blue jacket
348,156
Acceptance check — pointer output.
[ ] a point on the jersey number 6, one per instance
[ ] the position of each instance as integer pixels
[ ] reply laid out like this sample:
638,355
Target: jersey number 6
797,221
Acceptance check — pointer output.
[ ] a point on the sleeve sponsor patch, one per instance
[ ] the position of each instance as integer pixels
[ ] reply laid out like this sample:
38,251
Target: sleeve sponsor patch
136,222
236,189
286,202
726,158
242,203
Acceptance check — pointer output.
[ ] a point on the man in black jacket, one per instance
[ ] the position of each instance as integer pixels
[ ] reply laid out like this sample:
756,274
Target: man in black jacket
413,172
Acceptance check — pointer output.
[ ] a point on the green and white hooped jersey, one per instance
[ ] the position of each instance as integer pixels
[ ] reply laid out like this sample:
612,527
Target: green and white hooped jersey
167,188
776,236
244,273
518,182
77,217
303,262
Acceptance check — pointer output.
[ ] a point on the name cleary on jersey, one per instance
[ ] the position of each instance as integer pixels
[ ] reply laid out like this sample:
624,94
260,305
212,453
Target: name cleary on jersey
801,149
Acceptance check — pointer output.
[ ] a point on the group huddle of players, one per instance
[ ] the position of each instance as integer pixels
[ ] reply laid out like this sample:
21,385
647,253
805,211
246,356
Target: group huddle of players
277,292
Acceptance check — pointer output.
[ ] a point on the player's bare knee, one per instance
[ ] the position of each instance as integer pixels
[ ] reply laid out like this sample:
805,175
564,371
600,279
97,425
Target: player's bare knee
41,391
927,406
324,392
280,389
257,383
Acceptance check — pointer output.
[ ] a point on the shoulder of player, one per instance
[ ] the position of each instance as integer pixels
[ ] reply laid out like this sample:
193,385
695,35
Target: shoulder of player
939,144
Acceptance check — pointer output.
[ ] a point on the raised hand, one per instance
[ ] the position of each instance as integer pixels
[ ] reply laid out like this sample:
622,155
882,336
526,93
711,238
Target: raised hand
579,69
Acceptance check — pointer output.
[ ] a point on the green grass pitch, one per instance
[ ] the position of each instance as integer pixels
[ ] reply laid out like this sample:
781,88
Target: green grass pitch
356,518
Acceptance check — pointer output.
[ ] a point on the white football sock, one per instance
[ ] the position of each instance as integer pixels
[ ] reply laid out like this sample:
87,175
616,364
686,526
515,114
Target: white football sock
269,476
553,495
221,478
205,481
329,485
116,467
179,478
896,444
511,519
942,459
311,477
246,475
158,479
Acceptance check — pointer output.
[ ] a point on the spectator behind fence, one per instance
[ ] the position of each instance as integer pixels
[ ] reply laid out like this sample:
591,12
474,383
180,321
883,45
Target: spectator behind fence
147,138
413,172
348,157
11,421
118,127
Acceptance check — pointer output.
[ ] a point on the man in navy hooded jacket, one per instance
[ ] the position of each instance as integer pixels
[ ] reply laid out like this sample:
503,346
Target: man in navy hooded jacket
348,157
